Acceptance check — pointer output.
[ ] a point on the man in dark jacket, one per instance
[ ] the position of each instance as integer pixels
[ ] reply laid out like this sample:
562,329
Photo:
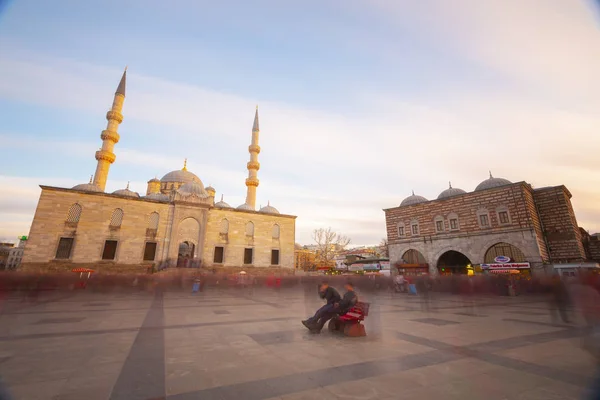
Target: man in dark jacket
331,296
345,304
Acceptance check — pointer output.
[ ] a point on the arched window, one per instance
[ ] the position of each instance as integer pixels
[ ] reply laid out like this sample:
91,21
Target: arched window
453,222
152,220
276,231
74,213
224,226
483,218
439,224
503,215
250,229
506,250
414,227
117,218
413,257
401,229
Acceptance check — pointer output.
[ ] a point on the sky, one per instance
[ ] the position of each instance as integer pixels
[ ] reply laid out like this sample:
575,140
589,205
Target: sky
360,101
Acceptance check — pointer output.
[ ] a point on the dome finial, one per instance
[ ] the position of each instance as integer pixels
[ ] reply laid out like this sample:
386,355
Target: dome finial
413,192
127,185
221,196
491,175
269,203
184,165
449,185
91,179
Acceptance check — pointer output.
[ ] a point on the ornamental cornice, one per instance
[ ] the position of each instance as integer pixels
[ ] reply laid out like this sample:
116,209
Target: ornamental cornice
254,148
114,115
106,156
252,182
110,135
253,165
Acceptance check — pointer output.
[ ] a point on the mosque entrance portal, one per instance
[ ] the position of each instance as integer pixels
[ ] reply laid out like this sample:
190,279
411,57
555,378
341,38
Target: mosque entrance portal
453,262
185,255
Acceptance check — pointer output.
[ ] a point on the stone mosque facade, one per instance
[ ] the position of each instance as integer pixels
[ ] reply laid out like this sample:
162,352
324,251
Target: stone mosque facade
532,229
176,223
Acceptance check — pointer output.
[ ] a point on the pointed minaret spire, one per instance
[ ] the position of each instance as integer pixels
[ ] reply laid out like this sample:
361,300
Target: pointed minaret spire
110,136
91,179
122,84
184,165
253,165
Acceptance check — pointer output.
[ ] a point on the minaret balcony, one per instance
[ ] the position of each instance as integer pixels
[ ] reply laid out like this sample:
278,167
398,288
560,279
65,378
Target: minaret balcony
253,165
110,135
254,148
251,182
114,115
106,156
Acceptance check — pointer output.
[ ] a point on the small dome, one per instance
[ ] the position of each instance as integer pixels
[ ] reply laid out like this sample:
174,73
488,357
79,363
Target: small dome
126,192
413,199
492,182
222,204
87,187
153,180
192,188
246,207
269,209
157,196
450,192
210,188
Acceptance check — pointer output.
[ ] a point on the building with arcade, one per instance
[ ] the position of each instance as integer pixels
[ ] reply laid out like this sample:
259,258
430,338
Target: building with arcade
177,222
501,226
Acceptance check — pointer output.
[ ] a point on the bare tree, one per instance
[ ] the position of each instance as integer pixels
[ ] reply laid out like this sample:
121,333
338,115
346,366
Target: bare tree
384,248
329,244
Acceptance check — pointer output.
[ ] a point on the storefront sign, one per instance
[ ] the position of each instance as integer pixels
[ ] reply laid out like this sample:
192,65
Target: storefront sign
502,259
524,265
385,265
355,267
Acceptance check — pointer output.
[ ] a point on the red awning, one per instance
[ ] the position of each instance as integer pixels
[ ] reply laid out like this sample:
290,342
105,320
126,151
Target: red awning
79,270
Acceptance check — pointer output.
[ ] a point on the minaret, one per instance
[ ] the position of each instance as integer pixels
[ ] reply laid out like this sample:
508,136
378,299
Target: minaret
253,165
110,136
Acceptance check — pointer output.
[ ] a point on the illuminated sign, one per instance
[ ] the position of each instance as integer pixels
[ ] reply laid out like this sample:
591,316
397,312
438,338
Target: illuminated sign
506,266
502,259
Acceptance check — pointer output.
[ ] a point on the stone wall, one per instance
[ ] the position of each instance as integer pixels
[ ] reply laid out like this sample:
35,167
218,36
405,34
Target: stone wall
560,225
236,240
92,230
594,248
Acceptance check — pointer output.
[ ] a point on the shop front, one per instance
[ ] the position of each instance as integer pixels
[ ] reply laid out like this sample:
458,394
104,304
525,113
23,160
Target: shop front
574,269
412,269
522,269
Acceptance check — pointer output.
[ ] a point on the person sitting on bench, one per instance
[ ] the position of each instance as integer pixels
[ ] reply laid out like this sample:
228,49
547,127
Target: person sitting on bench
350,299
331,296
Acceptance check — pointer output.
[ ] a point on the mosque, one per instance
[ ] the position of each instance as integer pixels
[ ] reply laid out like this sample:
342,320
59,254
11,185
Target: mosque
176,223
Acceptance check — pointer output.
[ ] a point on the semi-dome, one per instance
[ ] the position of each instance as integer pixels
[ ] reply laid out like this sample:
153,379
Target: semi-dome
181,176
222,204
450,192
269,209
492,182
193,188
157,196
126,192
87,187
246,207
413,199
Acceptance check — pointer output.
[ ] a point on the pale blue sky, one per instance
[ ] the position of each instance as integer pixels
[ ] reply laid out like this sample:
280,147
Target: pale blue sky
360,101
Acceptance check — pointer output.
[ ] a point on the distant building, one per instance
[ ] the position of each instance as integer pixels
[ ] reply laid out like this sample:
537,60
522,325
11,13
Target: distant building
16,254
500,226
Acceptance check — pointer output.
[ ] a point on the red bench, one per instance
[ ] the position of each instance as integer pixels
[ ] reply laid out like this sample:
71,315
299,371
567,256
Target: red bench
350,323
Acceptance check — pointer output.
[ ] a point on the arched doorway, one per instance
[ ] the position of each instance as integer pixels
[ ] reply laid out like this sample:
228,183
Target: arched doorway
185,255
504,250
453,262
413,256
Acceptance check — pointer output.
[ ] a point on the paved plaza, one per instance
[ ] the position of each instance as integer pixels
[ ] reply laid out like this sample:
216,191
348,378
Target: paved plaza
239,344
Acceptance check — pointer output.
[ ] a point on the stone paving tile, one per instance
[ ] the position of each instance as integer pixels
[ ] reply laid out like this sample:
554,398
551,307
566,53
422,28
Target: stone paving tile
435,321
59,320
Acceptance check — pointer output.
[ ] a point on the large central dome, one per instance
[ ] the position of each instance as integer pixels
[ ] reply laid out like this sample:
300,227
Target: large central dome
181,176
